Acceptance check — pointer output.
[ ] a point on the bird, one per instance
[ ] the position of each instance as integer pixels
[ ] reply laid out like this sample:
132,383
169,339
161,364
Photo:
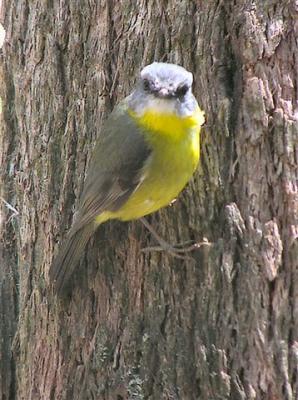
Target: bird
147,151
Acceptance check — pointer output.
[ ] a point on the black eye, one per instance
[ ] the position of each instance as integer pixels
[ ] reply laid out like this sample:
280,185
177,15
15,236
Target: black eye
181,91
146,85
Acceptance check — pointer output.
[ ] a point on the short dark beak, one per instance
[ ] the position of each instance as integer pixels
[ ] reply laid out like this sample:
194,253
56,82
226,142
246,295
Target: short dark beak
164,93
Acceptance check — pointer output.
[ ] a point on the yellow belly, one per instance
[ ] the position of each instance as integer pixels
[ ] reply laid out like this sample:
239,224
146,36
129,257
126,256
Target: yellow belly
175,144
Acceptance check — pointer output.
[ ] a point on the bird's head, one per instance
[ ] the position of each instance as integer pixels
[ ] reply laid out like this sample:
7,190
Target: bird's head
164,88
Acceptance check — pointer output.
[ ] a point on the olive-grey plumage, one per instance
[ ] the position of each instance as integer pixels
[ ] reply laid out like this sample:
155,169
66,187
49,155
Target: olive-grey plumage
114,173
147,151
116,165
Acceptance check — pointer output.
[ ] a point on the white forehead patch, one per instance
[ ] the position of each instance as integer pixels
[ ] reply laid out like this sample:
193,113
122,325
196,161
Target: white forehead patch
165,71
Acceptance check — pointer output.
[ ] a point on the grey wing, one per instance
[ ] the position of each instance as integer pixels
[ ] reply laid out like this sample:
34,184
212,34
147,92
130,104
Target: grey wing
115,168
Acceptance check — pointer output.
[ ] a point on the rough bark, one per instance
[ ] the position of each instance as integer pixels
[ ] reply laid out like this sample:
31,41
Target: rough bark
147,326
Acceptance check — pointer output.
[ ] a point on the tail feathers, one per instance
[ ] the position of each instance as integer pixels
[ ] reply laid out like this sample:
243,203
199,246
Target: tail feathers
69,256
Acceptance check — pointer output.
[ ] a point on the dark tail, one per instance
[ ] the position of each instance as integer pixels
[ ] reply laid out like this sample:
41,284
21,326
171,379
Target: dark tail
69,256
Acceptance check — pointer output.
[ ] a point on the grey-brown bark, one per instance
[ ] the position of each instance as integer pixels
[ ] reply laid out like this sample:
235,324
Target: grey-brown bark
147,326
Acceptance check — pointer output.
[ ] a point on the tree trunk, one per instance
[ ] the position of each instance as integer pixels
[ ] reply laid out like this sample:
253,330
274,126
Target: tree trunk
145,325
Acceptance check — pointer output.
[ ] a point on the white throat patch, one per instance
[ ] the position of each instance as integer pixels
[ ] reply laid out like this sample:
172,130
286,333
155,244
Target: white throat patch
162,106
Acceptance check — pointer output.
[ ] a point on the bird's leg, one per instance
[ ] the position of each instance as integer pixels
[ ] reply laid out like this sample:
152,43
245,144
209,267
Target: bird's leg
176,250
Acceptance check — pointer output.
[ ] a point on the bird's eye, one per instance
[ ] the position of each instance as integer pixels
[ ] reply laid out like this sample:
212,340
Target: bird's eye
146,84
181,90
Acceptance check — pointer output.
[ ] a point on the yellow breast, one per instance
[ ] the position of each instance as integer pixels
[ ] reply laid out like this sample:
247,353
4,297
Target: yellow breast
175,144
169,125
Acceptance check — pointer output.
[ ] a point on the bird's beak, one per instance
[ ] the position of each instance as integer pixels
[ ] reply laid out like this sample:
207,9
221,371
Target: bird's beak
164,93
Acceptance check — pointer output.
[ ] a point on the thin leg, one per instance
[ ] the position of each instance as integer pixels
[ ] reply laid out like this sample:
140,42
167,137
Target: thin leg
176,250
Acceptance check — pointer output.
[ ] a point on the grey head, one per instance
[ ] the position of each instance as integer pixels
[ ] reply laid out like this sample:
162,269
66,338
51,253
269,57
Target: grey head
165,88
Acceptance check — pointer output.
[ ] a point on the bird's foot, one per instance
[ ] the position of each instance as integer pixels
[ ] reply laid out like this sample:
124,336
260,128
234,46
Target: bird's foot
179,250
